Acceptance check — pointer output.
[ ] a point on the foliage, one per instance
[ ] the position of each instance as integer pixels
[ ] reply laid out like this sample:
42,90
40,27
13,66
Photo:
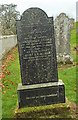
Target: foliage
8,17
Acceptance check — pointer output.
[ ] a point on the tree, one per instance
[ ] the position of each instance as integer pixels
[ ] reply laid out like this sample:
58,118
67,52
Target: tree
8,17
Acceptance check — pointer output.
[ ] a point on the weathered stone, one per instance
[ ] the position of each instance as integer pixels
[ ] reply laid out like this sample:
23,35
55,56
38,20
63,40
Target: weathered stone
37,55
63,37
41,94
36,47
56,111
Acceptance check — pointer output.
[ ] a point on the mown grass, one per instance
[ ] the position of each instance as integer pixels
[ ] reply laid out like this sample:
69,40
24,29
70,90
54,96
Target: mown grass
73,36
69,78
11,77
74,43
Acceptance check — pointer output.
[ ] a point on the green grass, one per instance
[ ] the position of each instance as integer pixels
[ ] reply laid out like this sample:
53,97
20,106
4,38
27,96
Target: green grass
74,41
11,77
73,36
69,78
10,80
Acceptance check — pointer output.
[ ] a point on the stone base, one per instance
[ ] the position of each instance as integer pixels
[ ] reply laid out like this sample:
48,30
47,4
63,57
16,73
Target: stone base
41,94
61,111
65,59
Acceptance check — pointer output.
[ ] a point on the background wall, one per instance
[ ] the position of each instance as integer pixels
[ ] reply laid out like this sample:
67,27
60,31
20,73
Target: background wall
6,43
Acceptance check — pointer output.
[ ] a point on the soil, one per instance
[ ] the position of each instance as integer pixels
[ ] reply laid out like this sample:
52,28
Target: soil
74,109
66,67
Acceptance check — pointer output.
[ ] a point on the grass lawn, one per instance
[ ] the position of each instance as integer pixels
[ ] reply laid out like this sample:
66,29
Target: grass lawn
69,81
74,42
11,77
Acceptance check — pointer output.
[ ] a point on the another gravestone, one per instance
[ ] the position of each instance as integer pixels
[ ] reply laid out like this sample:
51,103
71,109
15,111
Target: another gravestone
37,56
63,38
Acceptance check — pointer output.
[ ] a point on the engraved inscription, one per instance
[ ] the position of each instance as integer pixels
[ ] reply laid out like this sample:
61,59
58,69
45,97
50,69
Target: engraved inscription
43,96
36,47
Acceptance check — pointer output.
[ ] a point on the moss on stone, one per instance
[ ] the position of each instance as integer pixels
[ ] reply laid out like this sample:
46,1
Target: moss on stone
61,110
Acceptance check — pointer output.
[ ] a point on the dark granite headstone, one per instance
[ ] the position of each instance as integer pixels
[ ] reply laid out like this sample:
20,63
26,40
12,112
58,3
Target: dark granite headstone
37,55
37,48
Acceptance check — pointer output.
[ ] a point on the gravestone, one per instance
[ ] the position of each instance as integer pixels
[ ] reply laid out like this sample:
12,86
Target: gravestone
37,56
63,38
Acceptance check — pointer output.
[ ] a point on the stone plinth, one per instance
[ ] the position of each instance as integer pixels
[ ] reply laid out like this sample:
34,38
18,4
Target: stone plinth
41,94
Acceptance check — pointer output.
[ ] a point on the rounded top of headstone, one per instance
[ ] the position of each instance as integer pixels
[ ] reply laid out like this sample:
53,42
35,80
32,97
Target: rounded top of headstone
35,10
62,15
62,18
34,15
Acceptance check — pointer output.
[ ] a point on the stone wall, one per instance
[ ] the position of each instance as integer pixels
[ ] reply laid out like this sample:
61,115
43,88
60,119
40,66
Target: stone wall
6,43
62,25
